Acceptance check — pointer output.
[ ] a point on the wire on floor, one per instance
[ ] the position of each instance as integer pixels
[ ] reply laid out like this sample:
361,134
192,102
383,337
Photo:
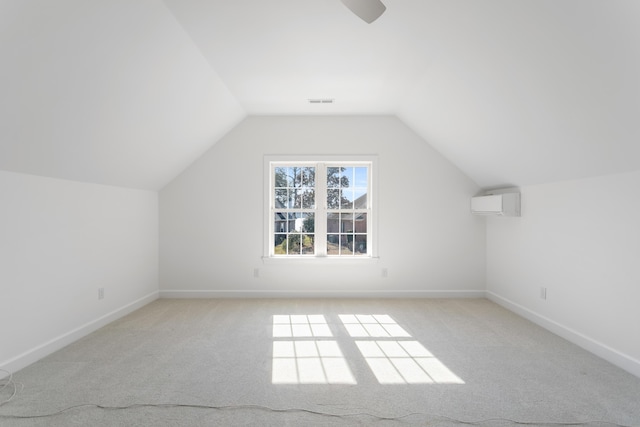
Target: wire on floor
10,384
319,413
7,383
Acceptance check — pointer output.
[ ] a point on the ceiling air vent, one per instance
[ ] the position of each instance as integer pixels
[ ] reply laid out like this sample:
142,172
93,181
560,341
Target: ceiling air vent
321,101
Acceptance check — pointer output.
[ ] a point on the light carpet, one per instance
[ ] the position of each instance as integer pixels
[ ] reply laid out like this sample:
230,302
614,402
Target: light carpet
322,362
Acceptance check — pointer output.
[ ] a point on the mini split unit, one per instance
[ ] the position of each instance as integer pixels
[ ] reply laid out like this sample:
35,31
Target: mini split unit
505,204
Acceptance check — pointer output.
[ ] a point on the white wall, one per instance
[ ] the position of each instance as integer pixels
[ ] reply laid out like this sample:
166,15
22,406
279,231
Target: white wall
59,242
211,217
581,240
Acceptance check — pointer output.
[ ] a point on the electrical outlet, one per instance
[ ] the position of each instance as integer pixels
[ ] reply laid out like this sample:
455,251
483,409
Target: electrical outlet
100,293
256,272
384,272
543,292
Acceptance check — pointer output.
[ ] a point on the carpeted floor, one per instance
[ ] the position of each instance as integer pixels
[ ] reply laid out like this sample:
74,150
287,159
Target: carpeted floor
322,362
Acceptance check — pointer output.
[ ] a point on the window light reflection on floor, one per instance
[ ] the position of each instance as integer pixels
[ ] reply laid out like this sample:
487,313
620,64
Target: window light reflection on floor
396,361
405,362
304,361
300,326
372,325
389,350
309,362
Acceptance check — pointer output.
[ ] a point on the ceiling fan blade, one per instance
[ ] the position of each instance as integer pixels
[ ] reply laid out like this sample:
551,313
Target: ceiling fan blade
368,10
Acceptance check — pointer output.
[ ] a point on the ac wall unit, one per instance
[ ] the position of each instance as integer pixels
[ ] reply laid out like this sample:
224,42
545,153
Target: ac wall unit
505,204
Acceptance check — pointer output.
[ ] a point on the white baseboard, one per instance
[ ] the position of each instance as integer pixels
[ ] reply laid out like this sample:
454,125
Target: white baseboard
609,354
31,356
319,294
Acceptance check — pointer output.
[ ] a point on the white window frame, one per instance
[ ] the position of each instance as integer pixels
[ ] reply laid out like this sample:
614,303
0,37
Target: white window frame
321,162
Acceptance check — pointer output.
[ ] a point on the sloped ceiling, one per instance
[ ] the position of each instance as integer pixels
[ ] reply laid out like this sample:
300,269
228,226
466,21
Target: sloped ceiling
129,92
108,91
513,92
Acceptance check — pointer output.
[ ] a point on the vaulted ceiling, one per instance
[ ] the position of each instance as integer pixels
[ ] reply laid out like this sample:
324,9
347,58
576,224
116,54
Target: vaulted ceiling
130,92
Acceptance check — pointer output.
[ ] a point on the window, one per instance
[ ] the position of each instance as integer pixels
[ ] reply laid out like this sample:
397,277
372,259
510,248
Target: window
319,209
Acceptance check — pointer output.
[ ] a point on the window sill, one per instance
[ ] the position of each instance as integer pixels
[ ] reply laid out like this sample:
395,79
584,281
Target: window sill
326,260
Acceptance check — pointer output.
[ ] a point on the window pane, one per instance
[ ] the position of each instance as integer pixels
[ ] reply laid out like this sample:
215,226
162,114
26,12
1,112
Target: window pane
346,223
297,173
308,222
361,177
280,222
303,177
291,222
347,199
280,244
333,223
360,223
346,180
346,243
309,179
333,199
308,199
281,180
297,221
333,177
307,244
332,244
294,244
296,198
290,175
360,246
360,198
281,200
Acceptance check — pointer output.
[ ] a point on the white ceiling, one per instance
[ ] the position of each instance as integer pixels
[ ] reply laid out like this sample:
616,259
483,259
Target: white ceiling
108,91
129,92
